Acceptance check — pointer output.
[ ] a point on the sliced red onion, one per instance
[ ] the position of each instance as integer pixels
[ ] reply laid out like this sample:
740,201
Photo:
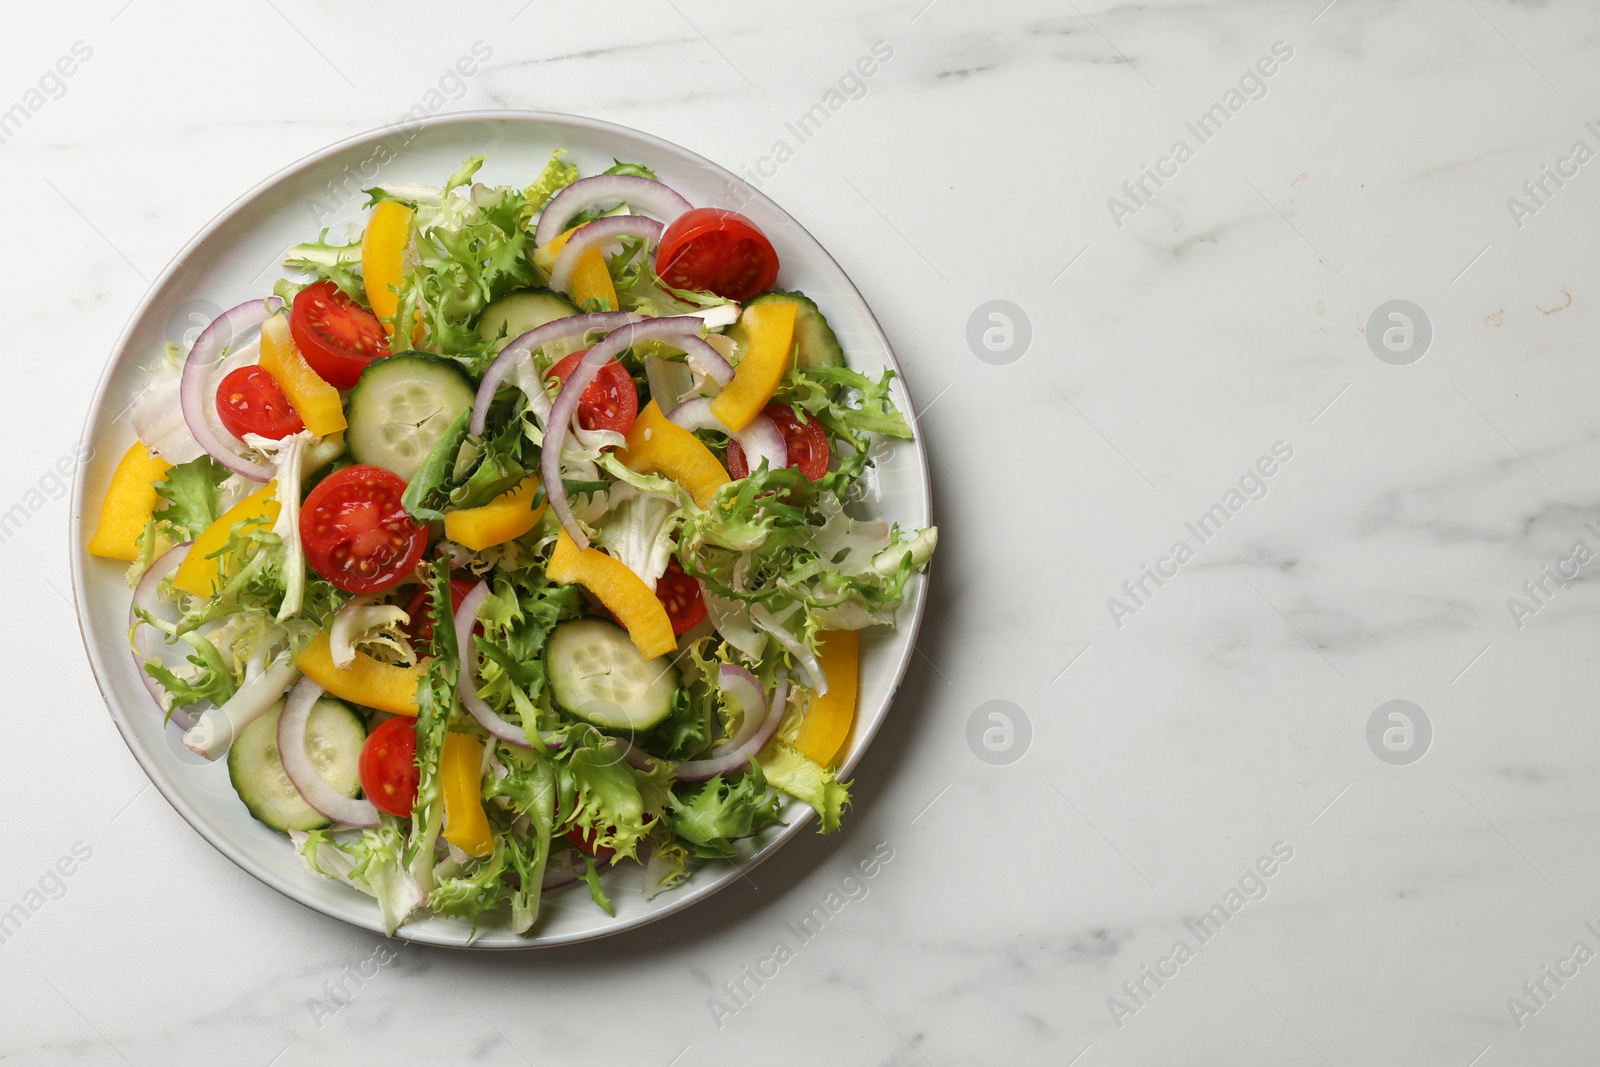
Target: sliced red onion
795,647
562,873
297,764
761,439
146,598
703,359
645,194
737,758
550,333
669,329
197,392
466,616
746,689
598,234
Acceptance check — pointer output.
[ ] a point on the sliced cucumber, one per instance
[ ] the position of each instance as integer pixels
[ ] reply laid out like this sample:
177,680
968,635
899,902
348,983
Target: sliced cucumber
815,342
516,313
402,406
598,675
334,737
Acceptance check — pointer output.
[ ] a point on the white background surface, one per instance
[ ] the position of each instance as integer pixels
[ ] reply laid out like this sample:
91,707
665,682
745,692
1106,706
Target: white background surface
1228,714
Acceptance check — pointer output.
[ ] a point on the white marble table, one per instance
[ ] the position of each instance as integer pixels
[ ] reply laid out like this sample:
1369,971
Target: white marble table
1185,735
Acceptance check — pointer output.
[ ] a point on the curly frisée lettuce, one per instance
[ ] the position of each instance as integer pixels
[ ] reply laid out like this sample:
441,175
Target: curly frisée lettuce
514,793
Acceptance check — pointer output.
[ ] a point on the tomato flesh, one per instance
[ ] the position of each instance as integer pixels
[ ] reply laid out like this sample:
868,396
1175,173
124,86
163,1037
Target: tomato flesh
250,400
420,628
680,595
719,251
357,534
806,443
610,402
337,336
583,838
388,766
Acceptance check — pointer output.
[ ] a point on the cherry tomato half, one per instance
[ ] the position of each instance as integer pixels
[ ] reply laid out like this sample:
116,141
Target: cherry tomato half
609,403
337,336
680,595
420,628
249,400
356,533
388,766
715,250
807,444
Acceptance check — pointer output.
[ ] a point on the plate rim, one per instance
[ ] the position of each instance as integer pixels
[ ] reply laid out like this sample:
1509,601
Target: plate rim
77,554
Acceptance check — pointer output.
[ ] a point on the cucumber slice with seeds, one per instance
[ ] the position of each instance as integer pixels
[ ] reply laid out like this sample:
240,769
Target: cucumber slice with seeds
516,313
402,406
334,737
598,675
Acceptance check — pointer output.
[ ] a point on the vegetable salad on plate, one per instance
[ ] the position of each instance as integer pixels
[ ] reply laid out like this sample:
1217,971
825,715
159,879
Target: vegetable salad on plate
514,537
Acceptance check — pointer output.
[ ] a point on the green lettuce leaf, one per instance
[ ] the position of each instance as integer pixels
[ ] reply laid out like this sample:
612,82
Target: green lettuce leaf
517,621
372,863
424,487
555,176
479,888
193,495
602,794
638,170
597,891
716,813
339,264
800,777
210,679
436,700
529,788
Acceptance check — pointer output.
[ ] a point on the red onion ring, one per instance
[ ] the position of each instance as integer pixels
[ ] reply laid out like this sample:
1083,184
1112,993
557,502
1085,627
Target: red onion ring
645,194
761,439
670,329
195,388
466,615
795,647
145,597
538,337
595,234
737,758
297,764
746,689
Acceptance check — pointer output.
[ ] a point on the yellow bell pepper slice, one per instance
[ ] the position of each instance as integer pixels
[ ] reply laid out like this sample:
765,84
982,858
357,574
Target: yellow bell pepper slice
367,681
314,400
622,592
382,259
505,518
828,718
130,502
592,287
657,445
466,826
770,328
197,575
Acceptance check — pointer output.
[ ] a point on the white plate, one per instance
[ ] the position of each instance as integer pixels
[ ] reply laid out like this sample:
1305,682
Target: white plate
236,257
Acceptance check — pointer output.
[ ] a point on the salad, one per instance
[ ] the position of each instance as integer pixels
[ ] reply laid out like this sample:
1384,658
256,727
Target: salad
511,539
